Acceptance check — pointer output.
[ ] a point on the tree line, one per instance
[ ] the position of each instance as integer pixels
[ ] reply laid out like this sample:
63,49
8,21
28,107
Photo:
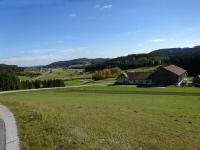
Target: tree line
106,73
9,81
129,62
189,62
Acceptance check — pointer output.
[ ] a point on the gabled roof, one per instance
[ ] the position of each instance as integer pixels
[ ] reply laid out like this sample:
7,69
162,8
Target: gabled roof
138,75
175,69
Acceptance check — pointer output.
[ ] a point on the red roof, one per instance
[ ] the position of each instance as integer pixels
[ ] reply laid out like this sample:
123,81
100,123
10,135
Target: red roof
138,75
175,69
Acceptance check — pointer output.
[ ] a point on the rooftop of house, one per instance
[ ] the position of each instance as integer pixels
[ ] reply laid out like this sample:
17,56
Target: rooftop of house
175,69
139,75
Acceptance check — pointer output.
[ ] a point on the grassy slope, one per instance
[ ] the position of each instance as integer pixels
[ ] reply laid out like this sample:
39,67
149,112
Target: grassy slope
144,69
89,82
59,120
59,73
64,74
24,78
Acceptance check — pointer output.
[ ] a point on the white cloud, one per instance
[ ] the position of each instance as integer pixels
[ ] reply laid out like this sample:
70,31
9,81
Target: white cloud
158,40
72,15
103,7
107,6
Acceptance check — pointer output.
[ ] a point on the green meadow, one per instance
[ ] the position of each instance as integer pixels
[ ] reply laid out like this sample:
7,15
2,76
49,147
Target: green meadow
60,119
59,73
171,89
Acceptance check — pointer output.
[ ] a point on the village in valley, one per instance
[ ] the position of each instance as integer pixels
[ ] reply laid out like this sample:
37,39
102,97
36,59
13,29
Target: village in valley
99,75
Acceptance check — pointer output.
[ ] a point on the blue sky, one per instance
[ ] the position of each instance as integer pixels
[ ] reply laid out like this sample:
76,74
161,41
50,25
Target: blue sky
37,32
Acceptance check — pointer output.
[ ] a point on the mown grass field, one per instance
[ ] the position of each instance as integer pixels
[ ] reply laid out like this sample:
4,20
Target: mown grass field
172,89
60,119
89,82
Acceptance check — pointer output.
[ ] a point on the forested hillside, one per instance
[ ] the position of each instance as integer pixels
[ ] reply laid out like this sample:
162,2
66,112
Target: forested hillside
187,58
13,68
176,51
81,62
190,62
130,61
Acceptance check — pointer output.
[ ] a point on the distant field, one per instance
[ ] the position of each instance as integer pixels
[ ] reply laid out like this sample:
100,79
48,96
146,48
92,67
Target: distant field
60,119
59,73
144,69
24,78
89,82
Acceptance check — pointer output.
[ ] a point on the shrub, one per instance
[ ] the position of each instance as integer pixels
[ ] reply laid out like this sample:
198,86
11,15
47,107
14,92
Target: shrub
106,73
196,81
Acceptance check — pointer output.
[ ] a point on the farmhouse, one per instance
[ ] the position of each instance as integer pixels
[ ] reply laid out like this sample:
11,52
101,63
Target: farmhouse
169,75
142,78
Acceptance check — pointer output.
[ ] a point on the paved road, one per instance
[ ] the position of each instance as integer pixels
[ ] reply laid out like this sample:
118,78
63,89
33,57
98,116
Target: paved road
10,132
2,135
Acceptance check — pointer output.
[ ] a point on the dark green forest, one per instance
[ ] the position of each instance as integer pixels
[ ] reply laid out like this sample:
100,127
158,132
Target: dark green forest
12,68
9,81
130,62
187,58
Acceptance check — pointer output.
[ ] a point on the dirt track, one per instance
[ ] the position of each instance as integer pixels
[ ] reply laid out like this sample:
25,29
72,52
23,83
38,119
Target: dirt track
132,92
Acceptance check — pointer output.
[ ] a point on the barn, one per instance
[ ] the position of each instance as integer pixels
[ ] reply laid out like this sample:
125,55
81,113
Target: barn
169,75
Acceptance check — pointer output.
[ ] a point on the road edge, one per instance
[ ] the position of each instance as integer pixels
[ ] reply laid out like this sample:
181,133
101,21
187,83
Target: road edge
12,138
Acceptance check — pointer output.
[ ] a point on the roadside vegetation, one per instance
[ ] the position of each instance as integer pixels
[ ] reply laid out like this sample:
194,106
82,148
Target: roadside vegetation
60,119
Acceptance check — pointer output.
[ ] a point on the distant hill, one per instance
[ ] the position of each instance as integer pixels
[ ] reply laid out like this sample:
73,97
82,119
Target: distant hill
130,62
176,51
13,68
156,57
78,62
187,58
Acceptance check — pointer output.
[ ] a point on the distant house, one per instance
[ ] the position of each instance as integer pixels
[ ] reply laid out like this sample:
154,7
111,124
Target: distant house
169,75
142,78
